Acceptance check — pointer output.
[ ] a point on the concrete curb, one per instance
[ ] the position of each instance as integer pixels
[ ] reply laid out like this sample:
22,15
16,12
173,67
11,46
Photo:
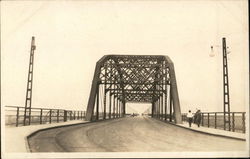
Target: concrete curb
44,129
58,126
208,133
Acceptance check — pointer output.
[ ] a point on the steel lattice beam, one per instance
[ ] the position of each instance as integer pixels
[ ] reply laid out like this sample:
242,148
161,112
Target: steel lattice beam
135,78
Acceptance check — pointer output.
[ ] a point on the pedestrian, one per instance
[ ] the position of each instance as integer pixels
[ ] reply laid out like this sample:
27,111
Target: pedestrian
194,118
190,117
198,118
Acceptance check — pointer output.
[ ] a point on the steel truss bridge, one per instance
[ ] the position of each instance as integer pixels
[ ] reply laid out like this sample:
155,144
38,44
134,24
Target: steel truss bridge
119,79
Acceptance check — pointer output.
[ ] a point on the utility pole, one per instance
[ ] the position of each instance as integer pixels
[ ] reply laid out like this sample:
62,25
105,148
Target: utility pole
226,98
27,111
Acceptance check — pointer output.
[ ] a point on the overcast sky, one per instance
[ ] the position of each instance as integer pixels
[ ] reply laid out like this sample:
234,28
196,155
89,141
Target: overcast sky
72,35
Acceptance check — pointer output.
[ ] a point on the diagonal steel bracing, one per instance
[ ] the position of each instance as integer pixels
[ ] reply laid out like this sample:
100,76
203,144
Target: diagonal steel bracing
134,78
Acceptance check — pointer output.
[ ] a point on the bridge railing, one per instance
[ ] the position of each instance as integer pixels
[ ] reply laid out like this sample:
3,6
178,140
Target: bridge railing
14,115
216,120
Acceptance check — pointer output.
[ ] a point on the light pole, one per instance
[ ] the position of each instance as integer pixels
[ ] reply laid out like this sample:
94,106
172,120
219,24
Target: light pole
27,110
226,99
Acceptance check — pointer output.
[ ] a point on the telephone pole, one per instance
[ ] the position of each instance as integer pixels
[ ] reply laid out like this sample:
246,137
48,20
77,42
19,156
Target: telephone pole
27,111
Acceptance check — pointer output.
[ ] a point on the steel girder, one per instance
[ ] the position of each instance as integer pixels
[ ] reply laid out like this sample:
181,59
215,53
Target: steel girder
135,78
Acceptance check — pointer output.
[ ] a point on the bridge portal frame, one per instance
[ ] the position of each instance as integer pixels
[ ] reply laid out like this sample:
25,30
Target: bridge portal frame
134,78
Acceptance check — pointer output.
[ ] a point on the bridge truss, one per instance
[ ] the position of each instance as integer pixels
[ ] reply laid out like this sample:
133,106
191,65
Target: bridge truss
119,79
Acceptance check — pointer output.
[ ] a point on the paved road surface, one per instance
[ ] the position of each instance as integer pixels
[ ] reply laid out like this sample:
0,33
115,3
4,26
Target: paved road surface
129,134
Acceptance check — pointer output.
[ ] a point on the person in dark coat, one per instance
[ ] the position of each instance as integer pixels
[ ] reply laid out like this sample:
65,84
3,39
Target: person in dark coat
197,118
190,117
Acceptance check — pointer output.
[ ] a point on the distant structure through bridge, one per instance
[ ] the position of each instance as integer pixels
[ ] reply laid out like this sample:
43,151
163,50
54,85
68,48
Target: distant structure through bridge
119,79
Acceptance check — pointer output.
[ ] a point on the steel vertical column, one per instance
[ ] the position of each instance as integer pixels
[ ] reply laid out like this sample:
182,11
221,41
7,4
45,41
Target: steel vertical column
97,103
162,105
174,92
162,94
110,102
110,93
124,108
116,114
166,99
152,109
119,108
158,104
159,101
170,107
115,107
114,104
95,83
159,108
156,110
117,102
104,101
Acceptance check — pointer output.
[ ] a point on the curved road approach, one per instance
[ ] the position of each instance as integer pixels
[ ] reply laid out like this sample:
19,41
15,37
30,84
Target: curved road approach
126,135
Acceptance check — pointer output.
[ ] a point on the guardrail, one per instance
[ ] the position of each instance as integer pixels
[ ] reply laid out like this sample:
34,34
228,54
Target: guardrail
216,120
14,115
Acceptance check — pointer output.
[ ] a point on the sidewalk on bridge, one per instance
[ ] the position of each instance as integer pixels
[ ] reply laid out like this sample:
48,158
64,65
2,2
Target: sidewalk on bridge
16,137
214,131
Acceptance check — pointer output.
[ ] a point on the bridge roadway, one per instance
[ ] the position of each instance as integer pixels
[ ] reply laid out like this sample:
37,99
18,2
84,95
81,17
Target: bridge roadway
129,134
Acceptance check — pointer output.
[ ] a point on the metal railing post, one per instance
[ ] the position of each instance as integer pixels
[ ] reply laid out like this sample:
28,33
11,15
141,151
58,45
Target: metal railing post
17,116
202,119
243,123
233,122
208,120
215,120
57,116
41,116
225,123
50,113
65,116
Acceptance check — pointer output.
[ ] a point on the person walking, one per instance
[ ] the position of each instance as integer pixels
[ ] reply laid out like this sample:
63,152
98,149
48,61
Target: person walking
190,117
194,118
198,118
